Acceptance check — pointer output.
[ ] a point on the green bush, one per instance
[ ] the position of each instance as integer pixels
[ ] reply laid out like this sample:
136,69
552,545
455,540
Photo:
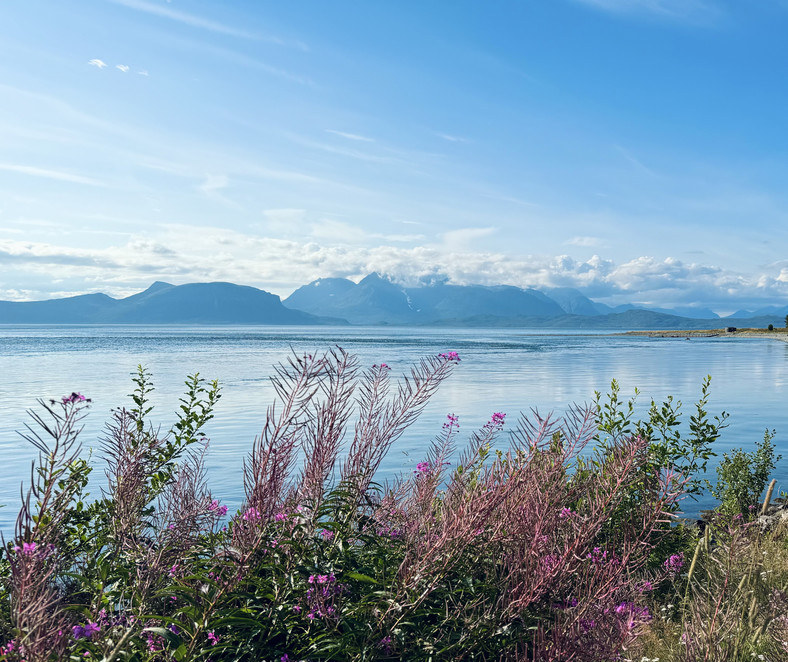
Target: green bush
742,477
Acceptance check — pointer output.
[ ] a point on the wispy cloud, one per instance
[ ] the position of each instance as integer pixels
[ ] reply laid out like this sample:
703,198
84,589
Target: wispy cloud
350,136
95,62
452,139
630,158
214,183
251,62
341,150
144,72
50,174
462,239
183,17
692,11
584,242
122,67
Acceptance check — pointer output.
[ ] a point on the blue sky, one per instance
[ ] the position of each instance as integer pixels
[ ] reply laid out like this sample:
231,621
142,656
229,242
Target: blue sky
634,149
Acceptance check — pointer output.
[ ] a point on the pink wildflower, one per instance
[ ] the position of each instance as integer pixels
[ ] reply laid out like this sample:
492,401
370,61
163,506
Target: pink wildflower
450,356
252,515
73,398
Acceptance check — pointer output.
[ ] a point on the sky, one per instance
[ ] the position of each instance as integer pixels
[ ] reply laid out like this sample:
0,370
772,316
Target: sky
633,149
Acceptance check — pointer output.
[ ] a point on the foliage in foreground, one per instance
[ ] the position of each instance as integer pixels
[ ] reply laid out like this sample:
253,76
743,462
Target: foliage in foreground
559,547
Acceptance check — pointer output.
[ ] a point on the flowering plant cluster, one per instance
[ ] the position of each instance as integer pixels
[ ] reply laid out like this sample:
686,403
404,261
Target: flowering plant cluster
549,545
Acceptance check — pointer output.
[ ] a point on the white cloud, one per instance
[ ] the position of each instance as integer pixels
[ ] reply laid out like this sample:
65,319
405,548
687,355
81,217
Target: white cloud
144,72
50,174
351,136
122,67
97,63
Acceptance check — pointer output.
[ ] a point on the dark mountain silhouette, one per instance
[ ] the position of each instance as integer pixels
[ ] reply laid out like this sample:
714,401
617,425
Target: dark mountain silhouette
374,300
377,300
162,303
575,303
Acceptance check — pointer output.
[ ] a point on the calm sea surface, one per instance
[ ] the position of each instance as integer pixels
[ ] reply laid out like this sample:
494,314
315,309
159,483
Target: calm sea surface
501,370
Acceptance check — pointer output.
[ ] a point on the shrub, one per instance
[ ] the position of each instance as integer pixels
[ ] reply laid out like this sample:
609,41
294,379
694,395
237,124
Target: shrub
770,327
742,477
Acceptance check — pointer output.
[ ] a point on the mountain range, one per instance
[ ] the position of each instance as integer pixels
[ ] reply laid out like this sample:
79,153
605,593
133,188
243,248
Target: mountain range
372,301
162,303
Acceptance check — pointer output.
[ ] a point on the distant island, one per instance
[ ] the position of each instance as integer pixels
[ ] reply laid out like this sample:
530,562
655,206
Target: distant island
375,300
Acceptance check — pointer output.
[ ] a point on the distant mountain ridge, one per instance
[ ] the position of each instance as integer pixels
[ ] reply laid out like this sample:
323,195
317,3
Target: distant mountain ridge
377,300
163,303
372,301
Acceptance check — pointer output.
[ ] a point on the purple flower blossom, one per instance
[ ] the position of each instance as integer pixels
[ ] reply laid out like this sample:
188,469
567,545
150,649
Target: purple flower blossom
565,513
450,356
27,548
322,595
327,534
73,398
422,468
252,515
85,631
600,557
452,423
220,510
386,645
212,638
674,563
496,420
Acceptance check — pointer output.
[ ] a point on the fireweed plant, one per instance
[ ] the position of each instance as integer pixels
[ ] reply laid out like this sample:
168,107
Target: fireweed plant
557,547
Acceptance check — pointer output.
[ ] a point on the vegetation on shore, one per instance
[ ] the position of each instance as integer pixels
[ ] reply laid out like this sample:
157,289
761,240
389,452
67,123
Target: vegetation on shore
727,332
562,544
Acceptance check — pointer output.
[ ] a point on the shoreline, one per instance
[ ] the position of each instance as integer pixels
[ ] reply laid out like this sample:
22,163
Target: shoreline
776,334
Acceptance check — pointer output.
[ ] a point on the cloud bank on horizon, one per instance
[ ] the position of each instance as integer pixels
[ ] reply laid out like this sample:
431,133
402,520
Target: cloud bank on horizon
632,149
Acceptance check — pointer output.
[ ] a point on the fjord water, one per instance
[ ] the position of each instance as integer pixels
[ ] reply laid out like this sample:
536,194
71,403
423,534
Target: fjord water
511,370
